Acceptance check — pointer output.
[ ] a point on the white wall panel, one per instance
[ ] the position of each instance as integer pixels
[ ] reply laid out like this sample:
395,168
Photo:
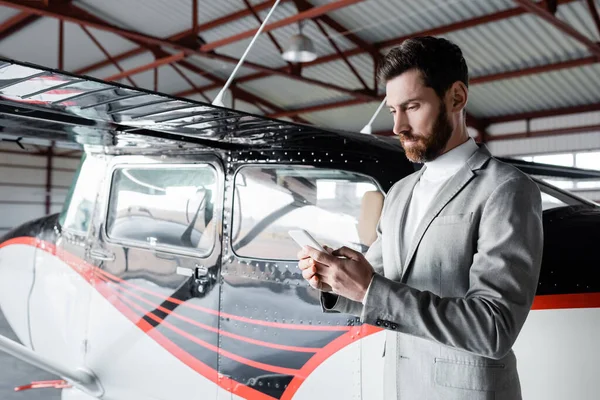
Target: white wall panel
23,184
31,194
23,159
62,178
63,162
546,144
16,214
507,128
22,175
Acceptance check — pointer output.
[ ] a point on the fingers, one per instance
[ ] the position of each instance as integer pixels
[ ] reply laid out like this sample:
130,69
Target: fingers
348,253
315,282
306,263
306,252
309,273
328,249
319,256
302,254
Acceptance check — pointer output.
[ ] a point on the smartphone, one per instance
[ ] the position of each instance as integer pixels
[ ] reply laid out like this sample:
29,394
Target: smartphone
303,238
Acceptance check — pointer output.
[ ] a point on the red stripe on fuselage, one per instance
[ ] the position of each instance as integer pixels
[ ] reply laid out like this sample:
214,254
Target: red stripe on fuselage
561,301
219,331
278,325
87,271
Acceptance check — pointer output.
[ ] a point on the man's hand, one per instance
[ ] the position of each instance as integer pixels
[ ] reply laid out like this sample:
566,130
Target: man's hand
344,271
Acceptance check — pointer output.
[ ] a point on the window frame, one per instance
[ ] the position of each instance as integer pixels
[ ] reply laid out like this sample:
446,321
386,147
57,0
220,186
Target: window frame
143,162
232,214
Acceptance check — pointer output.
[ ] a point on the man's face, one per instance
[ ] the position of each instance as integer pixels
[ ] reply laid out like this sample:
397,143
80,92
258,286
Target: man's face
420,117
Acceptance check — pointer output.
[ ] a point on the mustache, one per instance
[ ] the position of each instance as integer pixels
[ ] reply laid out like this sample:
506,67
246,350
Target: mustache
408,136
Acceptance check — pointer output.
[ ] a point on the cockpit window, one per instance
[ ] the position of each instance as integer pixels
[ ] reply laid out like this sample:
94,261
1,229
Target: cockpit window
79,204
338,208
163,206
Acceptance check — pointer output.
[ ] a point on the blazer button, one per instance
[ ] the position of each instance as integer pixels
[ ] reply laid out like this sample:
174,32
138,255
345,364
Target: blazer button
386,324
394,326
378,323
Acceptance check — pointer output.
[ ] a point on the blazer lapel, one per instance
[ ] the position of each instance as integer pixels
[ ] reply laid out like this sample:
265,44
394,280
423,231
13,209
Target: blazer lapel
403,199
449,190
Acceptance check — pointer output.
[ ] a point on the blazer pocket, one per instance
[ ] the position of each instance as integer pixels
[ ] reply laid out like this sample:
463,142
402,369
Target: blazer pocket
473,376
452,219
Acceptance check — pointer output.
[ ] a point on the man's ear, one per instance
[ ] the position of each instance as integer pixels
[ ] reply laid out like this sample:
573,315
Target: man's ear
459,95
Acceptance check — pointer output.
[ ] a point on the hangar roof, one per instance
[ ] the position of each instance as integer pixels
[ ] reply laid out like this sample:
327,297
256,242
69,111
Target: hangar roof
526,60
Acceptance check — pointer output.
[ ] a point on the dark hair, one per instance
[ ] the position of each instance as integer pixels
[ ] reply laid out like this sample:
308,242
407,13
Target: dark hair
440,62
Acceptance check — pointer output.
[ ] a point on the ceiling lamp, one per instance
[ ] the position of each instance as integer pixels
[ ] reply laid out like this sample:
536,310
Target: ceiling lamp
300,48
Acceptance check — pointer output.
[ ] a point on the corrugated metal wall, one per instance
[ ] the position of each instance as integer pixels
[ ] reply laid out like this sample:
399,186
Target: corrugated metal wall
546,144
24,183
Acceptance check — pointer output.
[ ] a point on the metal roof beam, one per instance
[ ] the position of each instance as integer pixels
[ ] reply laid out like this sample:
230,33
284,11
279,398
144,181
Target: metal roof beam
473,81
337,50
546,132
236,91
85,18
435,31
16,23
370,48
308,14
168,59
594,12
106,53
485,19
555,112
260,21
76,15
560,25
202,27
189,81
579,62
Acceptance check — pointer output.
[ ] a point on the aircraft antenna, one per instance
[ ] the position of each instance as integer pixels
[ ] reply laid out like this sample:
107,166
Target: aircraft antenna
218,101
367,129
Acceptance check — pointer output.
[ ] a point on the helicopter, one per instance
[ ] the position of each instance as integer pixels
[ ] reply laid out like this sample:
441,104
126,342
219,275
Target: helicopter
170,274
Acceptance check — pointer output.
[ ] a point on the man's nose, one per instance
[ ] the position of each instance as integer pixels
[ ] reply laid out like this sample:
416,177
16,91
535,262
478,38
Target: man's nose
400,123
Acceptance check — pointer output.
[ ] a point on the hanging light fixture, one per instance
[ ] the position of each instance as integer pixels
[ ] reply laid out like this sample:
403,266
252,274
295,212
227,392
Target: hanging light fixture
300,48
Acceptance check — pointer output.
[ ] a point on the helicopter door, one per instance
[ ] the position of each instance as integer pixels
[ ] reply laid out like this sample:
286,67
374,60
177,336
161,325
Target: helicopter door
154,326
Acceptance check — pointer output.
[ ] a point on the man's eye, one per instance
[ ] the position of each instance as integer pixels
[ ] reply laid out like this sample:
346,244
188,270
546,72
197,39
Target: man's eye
392,111
413,107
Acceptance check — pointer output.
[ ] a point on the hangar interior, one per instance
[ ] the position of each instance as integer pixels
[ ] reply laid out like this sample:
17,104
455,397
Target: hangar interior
534,71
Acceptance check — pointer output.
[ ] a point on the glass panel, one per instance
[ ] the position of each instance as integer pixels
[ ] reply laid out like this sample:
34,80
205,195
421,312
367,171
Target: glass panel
565,160
549,202
595,184
164,206
79,205
332,205
563,184
588,160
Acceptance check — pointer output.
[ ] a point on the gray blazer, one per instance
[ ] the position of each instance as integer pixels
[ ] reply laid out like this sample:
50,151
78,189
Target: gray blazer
453,311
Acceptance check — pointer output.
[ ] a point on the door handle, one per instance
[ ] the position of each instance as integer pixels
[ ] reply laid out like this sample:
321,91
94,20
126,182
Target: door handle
102,255
201,270
198,271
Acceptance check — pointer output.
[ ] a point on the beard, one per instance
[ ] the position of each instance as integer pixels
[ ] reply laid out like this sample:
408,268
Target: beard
427,148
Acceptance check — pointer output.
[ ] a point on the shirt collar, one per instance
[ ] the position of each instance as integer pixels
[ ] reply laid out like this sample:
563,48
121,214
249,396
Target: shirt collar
449,163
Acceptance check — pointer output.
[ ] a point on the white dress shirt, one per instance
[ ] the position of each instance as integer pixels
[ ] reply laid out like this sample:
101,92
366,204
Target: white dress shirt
436,174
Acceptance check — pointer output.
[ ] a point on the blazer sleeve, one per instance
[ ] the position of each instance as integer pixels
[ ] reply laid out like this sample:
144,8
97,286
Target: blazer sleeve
333,303
503,280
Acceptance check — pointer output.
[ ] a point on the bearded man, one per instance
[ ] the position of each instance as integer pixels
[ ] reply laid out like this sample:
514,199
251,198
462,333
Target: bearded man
454,270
